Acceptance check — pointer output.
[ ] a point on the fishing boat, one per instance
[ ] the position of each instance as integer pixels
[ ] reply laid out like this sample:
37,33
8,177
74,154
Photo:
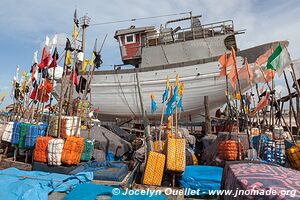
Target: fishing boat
156,54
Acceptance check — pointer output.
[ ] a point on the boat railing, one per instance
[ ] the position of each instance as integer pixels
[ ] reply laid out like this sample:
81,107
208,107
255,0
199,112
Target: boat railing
168,35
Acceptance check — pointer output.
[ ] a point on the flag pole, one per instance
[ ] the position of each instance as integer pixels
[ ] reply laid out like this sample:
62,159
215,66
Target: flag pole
291,99
242,104
278,107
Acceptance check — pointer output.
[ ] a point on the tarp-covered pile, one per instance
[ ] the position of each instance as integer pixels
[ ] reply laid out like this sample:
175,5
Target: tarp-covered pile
261,177
33,185
202,177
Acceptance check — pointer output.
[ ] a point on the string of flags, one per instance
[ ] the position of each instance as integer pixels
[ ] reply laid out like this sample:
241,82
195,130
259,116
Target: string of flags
264,70
171,98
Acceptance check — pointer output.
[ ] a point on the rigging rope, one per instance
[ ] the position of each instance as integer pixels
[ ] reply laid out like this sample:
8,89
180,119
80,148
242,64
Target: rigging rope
136,19
125,96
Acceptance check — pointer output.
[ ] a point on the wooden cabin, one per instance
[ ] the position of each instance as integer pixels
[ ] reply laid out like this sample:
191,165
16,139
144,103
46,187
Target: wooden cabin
131,41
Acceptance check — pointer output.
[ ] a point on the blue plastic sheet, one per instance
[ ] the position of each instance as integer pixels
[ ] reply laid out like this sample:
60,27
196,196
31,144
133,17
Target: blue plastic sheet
202,177
34,131
91,191
33,185
15,138
109,171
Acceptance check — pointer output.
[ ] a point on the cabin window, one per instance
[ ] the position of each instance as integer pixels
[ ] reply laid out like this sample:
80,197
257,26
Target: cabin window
129,39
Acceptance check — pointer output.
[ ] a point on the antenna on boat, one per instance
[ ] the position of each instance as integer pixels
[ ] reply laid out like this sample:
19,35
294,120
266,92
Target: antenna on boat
84,22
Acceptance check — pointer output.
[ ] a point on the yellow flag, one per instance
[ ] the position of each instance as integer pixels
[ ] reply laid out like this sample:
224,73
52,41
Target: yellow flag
181,89
68,58
3,97
75,33
92,59
238,96
24,73
84,65
168,83
177,80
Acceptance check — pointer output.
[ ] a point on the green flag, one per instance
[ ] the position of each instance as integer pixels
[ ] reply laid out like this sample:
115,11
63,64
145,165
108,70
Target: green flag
279,59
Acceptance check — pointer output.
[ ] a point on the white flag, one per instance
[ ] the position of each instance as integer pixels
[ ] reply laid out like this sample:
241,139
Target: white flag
34,59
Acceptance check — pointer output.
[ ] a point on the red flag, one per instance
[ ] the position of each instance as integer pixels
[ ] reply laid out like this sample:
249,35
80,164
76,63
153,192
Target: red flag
33,94
269,75
33,71
245,72
53,63
232,75
263,58
54,58
43,96
223,66
75,77
45,59
262,104
47,85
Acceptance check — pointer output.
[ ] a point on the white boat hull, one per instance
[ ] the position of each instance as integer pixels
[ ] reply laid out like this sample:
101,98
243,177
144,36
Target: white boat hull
117,94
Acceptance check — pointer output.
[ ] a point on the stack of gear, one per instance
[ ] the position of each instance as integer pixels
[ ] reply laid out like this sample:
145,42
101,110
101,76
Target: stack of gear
72,150
105,142
293,155
258,142
7,134
278,132
82,108
210,154
23,133
203,178
55,148
154,169
41,149
53,126
2,128
280,152
269,151
176,154
87,149
70,126
230,150
15,138
34,131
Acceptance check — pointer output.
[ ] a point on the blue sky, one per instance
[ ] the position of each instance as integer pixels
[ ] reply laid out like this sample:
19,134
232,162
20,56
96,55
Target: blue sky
26,23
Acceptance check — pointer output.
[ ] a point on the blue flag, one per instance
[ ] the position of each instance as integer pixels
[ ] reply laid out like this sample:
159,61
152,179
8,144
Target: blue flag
180,105
169,109
153,104
165,95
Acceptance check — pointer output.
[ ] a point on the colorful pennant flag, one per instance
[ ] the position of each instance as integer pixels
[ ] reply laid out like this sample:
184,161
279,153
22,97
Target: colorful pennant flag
54,58
180,104
223,65
165,95
262,59
45,59
246,72
233,73
153,104
279,59
262,104
68,58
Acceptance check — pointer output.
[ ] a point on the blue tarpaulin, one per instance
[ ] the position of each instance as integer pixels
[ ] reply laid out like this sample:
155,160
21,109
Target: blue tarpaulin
91,191
34,185
32,132
202,177
109,171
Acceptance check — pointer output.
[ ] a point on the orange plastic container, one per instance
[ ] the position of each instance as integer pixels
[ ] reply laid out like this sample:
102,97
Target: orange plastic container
72,150
41,149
